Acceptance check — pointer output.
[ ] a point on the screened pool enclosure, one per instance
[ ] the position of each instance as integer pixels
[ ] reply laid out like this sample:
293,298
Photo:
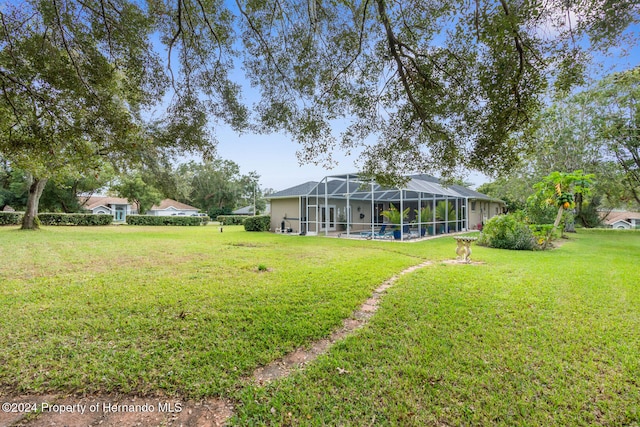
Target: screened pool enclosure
353,207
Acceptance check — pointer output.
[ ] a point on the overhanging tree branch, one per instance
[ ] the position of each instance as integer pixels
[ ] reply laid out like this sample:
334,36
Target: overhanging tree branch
70,54
392,43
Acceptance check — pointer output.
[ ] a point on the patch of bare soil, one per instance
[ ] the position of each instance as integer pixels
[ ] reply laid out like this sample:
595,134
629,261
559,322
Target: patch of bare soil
111,411
298,359
461,262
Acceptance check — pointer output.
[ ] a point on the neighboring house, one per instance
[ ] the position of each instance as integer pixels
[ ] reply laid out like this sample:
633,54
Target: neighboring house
116,206
248,210
621,219
169,207
349,204
120,207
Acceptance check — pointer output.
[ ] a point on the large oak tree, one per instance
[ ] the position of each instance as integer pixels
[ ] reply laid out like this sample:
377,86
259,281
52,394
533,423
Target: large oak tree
616,116
76,76
443,84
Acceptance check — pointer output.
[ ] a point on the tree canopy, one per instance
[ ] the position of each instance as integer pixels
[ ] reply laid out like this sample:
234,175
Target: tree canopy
63,101
217,187
616,116
140,194
595,130
76,76
443,85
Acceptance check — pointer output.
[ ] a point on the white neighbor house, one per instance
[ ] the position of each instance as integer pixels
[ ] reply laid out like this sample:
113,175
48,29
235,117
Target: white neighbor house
120,208
621,219
116,206
169,207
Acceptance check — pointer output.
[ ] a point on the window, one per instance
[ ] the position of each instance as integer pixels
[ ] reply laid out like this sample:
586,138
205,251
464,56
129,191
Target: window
473,206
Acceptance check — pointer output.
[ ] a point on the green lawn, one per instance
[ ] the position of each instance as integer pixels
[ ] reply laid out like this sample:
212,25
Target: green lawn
527,338
178,310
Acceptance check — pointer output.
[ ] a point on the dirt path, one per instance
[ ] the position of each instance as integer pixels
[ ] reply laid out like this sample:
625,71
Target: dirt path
112,411
282,367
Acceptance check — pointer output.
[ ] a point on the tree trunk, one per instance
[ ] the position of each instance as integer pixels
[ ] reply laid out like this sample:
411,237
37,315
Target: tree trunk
578,198
570,225
555,227
33,200
558,219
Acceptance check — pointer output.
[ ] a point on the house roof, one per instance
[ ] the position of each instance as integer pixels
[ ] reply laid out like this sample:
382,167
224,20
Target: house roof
94,201
169,203
612,217
359,189
247,210
295,191
472,194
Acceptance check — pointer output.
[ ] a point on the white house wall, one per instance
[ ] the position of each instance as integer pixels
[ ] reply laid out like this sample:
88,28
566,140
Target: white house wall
360,218
484,210
621,225
285,208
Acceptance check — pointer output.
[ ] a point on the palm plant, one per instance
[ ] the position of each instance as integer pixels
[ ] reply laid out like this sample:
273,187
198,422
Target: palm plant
394,216
424,215
445,212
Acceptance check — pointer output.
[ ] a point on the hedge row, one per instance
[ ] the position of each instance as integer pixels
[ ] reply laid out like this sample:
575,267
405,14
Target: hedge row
231,219
10,218
257,223
165,220
74,219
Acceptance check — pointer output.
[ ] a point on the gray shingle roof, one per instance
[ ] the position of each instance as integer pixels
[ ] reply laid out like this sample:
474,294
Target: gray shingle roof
338,187
170,203
472,194
247,210
298,190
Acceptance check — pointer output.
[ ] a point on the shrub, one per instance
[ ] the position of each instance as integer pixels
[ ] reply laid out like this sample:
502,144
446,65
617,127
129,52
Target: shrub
10,218
74,219
163,220
216,212
231,219
204,220
539,211
507,232
257,223
589,216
